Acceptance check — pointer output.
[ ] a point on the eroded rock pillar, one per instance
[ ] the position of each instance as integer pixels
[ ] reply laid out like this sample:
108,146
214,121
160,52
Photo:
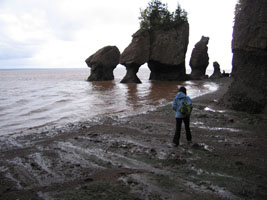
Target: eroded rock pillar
135,55
199,60
102,63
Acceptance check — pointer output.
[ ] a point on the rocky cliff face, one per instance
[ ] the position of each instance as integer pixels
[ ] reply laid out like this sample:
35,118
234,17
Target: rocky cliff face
248,92
199,60
102,63
163,50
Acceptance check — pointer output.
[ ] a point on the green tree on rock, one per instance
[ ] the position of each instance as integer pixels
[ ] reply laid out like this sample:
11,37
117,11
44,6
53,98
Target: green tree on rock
157,15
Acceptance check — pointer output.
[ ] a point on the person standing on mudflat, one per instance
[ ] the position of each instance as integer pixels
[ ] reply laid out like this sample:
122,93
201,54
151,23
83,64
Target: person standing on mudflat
182,104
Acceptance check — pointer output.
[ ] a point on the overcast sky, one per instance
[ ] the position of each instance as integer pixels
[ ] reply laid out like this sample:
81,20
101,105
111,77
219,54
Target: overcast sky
63,33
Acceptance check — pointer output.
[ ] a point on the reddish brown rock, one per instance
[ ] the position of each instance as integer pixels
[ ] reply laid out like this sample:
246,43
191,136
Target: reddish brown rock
217,71
167,53
135,55
199,60
163,50
102,63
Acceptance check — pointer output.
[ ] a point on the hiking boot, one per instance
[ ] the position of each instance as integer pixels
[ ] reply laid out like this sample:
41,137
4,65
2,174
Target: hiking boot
173,145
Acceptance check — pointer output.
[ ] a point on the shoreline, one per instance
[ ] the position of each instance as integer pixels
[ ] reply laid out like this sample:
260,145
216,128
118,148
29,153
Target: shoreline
131,157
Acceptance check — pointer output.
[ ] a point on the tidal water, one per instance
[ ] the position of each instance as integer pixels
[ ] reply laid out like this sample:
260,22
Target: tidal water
53,97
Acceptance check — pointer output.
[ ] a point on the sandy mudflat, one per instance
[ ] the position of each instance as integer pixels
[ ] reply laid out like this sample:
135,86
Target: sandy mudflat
132,157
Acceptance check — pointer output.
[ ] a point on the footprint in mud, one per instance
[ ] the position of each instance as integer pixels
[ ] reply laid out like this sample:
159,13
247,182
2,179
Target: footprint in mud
202,146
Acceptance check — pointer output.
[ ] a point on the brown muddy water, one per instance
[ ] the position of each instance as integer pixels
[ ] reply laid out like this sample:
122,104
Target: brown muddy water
53,97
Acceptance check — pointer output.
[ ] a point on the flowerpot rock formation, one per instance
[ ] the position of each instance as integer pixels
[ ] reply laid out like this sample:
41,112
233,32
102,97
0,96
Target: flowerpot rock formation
135,55
163,50
102,63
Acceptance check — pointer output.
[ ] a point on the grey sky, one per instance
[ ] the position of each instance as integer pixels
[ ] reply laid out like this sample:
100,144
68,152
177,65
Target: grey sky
63,33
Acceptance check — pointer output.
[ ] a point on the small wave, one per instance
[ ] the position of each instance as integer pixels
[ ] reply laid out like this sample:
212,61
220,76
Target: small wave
62,101
48,124
36,111
22,101
2,108
11,104
10,125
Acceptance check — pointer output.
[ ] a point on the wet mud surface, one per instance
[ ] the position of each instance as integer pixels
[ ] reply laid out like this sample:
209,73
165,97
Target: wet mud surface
132,158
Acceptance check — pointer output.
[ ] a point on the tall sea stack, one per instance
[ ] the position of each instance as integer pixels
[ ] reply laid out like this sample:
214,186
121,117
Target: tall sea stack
248,91
199,60
167,53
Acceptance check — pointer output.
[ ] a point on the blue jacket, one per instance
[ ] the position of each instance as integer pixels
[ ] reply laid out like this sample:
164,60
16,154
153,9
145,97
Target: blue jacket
178,101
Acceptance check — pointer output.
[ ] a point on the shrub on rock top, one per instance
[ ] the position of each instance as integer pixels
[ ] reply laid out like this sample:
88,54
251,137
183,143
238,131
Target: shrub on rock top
157,16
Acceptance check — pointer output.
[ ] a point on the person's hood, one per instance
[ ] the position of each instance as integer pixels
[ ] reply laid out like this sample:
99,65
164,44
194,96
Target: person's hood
181,95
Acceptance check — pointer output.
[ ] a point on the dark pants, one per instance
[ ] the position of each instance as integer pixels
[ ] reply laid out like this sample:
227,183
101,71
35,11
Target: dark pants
176,138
